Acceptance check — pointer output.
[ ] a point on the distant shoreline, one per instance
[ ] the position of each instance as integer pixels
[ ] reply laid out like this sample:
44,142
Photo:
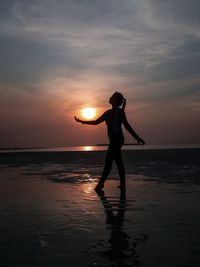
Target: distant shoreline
20,148
97,147
24,148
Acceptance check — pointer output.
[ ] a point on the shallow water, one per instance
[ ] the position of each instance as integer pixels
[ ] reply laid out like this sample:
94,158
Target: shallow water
51,216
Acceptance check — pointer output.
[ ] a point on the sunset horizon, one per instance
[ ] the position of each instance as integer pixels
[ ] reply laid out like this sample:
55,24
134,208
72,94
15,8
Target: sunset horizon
58,58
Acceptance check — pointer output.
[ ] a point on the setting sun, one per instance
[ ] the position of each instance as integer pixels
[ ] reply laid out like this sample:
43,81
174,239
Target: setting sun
88,113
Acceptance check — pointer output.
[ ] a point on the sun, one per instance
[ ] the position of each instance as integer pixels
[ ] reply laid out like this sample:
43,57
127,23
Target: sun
88,113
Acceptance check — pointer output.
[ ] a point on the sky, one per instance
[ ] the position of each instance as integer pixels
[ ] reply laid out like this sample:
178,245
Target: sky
59,56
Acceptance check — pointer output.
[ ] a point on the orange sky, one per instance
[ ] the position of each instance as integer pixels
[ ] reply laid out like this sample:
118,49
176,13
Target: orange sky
46,118
59,58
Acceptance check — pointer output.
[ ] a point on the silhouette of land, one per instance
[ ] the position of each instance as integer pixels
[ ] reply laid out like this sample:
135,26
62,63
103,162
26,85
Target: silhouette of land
126,144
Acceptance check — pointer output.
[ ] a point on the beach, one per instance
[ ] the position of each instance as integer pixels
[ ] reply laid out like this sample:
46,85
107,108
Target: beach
51,215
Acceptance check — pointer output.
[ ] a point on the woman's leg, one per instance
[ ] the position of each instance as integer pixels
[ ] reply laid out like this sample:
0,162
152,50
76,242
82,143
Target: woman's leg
120,165
107,167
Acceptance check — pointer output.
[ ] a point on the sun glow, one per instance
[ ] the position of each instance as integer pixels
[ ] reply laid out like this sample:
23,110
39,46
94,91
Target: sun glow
88,113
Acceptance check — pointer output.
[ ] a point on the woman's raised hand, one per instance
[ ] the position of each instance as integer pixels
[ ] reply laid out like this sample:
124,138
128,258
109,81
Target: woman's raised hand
140,141
77,119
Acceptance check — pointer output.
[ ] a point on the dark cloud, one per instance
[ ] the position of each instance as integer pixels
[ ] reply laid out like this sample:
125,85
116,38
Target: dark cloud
183,11
25,61
126,38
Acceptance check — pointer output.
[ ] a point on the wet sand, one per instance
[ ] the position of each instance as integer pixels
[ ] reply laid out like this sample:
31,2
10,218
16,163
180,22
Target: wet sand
51,216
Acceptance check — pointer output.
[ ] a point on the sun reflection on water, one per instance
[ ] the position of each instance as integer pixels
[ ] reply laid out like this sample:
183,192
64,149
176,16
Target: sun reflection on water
88,148
88,188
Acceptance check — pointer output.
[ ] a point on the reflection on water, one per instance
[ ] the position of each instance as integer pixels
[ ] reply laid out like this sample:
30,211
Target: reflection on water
89,187
88,148
122,250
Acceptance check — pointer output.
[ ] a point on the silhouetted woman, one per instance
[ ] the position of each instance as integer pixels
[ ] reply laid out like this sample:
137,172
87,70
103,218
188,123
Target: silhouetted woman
114,118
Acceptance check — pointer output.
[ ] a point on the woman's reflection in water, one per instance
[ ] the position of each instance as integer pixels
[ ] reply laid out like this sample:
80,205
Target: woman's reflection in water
122,252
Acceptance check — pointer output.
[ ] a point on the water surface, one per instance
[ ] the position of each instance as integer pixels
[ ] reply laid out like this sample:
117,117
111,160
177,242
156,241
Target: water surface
51,216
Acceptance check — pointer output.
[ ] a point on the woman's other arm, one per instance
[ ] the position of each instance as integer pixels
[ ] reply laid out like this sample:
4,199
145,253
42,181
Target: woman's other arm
131,131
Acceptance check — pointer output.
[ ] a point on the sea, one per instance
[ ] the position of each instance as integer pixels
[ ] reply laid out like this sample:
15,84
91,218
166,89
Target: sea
52,216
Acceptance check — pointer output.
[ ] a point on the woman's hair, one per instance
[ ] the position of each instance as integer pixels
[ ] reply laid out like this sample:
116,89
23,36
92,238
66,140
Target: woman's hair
119,98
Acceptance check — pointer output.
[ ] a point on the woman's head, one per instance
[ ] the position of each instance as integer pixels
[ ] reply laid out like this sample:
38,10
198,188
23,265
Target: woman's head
116,99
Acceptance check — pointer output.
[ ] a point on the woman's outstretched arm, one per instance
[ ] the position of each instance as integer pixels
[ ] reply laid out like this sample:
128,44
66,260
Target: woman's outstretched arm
95,122
131,131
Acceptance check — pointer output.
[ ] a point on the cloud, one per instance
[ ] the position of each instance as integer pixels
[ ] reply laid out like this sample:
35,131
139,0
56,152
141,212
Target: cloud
125,38
61,55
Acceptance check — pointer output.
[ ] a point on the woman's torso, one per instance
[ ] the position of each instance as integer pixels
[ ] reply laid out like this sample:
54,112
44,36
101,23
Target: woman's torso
114,119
